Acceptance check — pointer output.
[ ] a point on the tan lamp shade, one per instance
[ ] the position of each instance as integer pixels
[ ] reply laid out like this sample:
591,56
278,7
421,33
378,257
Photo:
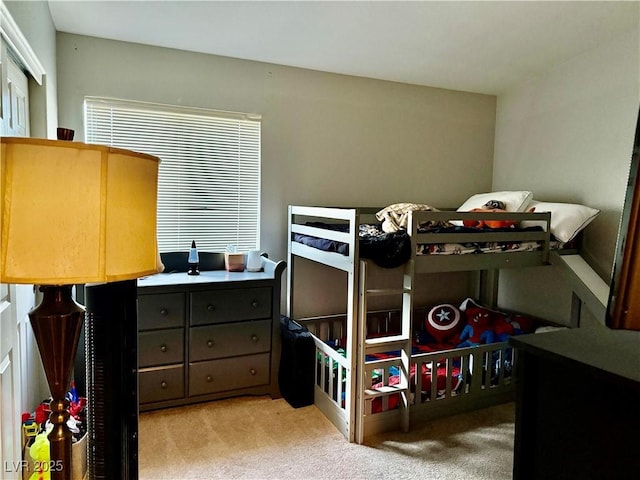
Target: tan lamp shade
76,213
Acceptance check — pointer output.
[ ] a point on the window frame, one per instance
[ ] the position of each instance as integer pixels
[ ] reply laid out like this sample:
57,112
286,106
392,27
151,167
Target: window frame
198,148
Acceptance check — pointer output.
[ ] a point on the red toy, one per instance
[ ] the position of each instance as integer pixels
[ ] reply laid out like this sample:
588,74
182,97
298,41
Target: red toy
502,328
478,329
42,413
444,323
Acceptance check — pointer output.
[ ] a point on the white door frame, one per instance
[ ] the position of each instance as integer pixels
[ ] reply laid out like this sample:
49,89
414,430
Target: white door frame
21,378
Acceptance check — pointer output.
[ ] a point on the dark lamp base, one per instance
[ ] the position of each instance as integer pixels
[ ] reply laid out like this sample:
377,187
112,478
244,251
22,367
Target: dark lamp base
57,323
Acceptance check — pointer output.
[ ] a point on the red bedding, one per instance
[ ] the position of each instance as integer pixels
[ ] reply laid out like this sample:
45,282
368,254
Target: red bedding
441,382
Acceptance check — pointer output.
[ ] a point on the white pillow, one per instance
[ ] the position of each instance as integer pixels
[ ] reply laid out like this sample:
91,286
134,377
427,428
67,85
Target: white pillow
567,219
516,201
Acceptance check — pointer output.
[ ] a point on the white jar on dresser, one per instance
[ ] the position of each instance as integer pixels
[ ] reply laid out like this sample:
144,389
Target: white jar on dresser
209,336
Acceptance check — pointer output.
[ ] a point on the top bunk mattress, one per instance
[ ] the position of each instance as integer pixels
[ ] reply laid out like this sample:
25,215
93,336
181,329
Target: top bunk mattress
393,249
470,246
435,234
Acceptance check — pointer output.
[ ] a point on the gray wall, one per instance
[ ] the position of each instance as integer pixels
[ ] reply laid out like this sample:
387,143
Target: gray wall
326,139
338,140
567,135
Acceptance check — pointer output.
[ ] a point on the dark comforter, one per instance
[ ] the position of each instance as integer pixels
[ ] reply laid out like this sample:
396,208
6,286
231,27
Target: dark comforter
388,250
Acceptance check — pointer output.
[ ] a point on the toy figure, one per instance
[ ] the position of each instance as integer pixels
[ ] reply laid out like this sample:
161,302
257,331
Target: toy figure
443,323
478,329
39,452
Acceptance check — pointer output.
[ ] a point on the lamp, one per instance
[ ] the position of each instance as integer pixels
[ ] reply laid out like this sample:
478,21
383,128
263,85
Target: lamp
72,213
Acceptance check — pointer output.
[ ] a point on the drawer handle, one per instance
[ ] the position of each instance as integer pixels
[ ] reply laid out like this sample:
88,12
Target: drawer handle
163,348
163,384
209,379
253,371
211,308
254,304
164,312
210,343
254,337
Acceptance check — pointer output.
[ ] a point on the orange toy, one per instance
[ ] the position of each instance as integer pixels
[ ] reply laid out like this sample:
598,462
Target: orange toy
488,223
491,206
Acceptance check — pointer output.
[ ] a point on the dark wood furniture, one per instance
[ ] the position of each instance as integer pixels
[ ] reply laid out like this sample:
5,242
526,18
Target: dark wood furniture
209,336
578,393
624,302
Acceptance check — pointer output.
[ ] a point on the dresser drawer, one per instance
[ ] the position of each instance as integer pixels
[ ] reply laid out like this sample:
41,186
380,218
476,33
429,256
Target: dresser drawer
158,384
160,347
229,339
230,305
161,311
228,374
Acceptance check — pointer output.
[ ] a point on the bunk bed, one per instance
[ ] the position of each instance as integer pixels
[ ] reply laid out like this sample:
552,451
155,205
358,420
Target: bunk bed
369,383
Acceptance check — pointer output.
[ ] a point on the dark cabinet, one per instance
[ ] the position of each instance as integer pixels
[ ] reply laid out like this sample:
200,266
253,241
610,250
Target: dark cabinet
210,336
578,393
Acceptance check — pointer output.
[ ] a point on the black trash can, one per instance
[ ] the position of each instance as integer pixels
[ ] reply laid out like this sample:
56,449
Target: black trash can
296,376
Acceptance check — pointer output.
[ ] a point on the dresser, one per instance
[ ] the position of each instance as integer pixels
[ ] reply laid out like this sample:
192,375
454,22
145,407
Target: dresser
578,393
208,336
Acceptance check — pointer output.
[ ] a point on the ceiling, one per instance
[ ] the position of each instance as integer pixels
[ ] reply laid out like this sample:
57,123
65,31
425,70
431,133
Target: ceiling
474,46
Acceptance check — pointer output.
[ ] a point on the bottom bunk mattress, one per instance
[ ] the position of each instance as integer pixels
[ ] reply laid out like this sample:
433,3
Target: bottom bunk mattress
455,371
442,374
460,356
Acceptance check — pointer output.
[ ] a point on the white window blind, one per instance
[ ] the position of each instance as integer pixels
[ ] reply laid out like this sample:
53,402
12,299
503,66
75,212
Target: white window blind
209,179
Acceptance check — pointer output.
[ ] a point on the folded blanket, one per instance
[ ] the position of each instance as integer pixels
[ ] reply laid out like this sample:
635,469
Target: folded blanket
396,216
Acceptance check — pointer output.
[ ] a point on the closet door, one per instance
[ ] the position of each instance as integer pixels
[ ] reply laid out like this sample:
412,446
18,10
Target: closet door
19,360
10,448
16,109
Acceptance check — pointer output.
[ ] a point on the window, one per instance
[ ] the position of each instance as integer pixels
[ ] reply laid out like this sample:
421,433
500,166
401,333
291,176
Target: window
209,179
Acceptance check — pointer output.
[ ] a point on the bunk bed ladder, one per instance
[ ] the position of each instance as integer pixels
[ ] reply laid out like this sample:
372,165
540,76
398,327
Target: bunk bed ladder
401,343
352,339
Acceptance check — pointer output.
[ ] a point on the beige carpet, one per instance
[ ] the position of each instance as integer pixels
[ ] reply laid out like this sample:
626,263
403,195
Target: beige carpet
260,438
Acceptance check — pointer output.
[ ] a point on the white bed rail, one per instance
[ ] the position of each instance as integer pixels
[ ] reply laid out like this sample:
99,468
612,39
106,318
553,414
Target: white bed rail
466,379
333,371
